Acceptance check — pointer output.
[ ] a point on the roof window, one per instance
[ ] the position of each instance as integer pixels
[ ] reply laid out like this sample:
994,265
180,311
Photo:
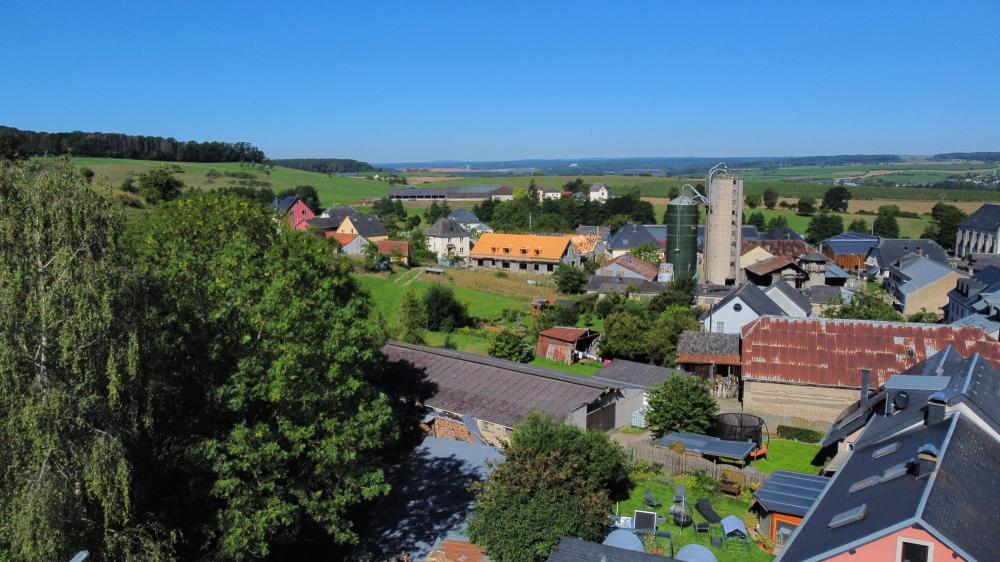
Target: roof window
893,472
887,450
850,516
866,483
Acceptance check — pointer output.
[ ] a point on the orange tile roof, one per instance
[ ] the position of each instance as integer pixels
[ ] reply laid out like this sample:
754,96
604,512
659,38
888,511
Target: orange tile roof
344,239
387,246
532,247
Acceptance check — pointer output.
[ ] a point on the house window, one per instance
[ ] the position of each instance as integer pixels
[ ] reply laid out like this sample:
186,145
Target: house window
720,327
550,267
912,550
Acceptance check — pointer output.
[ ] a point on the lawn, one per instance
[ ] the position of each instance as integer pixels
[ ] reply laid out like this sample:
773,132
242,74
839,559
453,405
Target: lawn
908,228
785,454
661,486
583,369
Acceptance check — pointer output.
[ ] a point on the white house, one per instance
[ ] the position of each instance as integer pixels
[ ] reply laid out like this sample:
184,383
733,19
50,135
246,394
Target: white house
447,238
599,192
742,306
470,222
544,194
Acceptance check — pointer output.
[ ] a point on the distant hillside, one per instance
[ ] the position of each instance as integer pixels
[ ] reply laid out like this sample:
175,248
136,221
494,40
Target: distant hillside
17,142
326,165
979,156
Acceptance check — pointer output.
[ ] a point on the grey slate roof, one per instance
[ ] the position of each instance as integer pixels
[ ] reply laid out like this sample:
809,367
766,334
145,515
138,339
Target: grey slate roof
920,273
630,236
793,294
850,243
956,503
572,549
784,233
446,227
604,285
325,222
658,231
754,298
986,217
464,216
368,225
494,390
708,343
283,204
888,251
822,294
630,373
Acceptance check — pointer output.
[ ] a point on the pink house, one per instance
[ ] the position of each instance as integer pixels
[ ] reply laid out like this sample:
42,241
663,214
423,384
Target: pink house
293,210
921,481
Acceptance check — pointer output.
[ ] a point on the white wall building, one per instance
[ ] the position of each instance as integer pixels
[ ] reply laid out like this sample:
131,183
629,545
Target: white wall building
599,192
447,238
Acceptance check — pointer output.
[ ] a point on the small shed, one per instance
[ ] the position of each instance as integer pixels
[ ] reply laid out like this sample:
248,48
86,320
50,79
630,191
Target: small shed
566,344
783,501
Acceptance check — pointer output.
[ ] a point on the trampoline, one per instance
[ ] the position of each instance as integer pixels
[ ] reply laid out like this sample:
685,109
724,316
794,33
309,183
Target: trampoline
737,426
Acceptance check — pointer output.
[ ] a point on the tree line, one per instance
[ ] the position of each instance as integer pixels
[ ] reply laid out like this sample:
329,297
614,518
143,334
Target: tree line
17,143
326,165
194,384
525,212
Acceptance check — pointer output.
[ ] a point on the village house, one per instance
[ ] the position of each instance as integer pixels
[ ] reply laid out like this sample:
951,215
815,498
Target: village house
919,283
590,247
713,356
888,252
765,272
481,398
398,251
821,271
529,253
544,194
849,250
627,266
502,193
753,255
368,226
979,233
293,211
738,309
630,236
792,301
598,192
805,371
447,239
350,244
470,222
824,296
567,345
919,483
634,288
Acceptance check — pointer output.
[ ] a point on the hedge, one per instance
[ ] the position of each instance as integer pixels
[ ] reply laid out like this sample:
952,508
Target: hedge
799,434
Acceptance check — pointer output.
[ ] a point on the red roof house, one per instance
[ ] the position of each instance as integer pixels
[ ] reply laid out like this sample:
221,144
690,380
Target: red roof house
397,250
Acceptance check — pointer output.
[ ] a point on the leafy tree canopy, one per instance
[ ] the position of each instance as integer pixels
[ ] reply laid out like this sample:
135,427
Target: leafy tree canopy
770,198
823,226
508,344
568,279
681,403
835,199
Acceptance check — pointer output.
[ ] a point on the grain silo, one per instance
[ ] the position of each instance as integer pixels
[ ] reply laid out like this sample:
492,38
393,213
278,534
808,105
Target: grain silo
682,235
723,228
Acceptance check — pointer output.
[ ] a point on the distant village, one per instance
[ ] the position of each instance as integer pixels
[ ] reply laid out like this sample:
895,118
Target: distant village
904,414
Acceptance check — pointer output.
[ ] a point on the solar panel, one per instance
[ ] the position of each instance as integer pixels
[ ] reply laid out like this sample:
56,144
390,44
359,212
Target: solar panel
645,520
850,516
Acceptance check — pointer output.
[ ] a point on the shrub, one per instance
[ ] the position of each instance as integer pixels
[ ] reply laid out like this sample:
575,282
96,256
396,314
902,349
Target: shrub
799,434
511,346
442,310
682,403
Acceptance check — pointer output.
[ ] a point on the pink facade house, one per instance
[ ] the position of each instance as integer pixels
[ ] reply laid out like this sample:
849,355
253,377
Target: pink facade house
922,481
293,210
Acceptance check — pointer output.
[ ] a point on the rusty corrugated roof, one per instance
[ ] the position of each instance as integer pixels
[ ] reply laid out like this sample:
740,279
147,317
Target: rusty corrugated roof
832,352
563,333
769,265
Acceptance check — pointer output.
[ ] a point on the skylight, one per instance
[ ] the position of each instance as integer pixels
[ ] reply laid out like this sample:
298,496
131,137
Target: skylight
850,516
893,472
887,450
866,483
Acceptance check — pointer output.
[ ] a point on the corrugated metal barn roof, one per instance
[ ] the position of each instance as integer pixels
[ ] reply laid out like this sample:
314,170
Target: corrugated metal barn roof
832,352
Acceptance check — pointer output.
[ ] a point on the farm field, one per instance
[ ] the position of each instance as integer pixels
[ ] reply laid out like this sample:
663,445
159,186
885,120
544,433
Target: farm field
908,228
332,189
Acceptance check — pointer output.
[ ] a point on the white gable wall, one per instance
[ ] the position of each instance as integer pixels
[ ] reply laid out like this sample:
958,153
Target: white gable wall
732,319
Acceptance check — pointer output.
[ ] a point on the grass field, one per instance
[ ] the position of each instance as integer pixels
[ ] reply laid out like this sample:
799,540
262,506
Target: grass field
331,189
585,369
908,228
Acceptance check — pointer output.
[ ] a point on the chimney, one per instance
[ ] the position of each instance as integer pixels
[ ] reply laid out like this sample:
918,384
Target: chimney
935,409
866,375
926,461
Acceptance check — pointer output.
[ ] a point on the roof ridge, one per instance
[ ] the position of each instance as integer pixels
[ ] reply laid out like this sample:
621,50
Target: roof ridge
499,363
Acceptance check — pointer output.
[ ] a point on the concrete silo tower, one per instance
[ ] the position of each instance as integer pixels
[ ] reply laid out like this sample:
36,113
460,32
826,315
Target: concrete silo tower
723,227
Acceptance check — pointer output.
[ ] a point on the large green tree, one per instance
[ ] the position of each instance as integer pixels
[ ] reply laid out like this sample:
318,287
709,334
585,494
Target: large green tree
72,392
661,340
569,279
555,481
869,302
268,415
681,403
770,198
824,225
946,221
885,224
835,199
158,185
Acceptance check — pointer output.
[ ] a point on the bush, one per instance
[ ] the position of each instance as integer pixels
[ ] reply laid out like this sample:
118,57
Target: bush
442,310
569,279
682,403
511,346
799,434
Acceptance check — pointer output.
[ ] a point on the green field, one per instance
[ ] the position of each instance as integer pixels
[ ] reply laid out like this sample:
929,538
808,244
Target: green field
908,228
788,182
332,189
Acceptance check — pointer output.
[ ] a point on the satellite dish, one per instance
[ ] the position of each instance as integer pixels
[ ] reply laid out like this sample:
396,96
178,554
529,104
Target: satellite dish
901,400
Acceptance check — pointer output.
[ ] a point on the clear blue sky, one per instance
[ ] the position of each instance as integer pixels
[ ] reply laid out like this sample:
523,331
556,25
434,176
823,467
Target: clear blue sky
414,80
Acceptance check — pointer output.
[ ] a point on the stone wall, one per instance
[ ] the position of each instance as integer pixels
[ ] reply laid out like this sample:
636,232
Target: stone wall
812,407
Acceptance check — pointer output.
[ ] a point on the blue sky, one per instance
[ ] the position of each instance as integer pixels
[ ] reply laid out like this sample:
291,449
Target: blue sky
409,81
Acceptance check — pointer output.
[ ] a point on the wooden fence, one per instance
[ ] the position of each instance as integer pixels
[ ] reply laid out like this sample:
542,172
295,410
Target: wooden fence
678,463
